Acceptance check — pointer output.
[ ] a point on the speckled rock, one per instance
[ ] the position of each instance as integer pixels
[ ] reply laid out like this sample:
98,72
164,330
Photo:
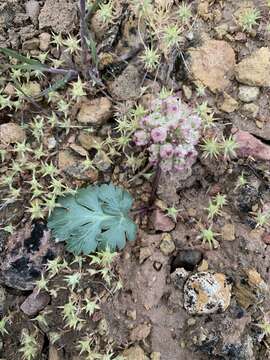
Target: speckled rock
254,70
26,253
206,293
167,245
95,112
248,93
127,86
213,64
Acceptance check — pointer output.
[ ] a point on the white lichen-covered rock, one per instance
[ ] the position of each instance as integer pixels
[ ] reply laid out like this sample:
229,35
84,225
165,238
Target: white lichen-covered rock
207,292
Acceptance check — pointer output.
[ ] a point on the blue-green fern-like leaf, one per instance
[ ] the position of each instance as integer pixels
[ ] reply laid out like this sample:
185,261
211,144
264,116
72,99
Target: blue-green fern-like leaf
96,217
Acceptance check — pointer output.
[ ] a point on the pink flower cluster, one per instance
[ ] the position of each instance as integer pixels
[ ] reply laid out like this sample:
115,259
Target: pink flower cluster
170,131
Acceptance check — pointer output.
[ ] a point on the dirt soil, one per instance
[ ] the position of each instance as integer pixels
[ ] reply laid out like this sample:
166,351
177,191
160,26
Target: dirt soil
153,316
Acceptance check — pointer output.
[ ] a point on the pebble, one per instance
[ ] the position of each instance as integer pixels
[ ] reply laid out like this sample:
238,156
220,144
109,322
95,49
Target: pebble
95,112
44,41
250,110
11,133
155,356
161,222
229,104
228,232
206,293
134,353
140,332
248,94
32,44
167,245
35,302
187,259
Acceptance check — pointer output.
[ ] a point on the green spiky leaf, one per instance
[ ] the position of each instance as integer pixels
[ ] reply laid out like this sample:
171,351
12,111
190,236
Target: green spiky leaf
96,217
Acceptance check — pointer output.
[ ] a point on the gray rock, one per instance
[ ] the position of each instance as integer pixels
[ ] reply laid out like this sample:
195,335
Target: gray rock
248,94
250,110
35,302
32,9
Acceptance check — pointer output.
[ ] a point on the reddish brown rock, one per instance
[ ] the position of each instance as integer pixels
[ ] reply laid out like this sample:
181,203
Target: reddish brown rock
161,222
35,302
249,145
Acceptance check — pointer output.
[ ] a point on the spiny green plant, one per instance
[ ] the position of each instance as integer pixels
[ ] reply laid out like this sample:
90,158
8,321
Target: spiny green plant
29,348
249,18
96,217
209,237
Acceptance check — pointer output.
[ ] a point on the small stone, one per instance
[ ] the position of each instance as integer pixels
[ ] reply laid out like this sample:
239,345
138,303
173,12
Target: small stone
250,110
229,104
103,327
35,302
254,70
140,332
266,238
191,321
254,278
10,90
228,232
187,92
32,9
78,149
134,353
128,85
2,298
102,161
161,222
167,245
155,356
206,293
157,265
249,145
203,266
89,141
132,314
66,159
221,30
248,94
187,259
11,133
44,41
95,112
145,253
213,64
179,277
32,44
51,143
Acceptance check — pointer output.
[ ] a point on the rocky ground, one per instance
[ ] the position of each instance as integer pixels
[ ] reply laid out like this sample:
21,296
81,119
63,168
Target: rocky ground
179,299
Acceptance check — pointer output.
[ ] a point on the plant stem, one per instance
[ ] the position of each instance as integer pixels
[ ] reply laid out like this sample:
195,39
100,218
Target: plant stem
83,31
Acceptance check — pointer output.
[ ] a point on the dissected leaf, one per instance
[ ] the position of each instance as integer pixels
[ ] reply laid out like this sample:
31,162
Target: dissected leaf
96,217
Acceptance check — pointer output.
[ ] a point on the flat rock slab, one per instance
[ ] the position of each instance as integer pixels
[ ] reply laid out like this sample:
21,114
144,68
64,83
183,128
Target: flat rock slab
213,64
254,70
